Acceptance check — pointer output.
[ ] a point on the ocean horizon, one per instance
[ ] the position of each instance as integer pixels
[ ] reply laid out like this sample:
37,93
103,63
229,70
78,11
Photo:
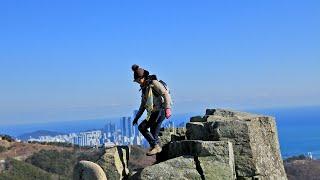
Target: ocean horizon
298,128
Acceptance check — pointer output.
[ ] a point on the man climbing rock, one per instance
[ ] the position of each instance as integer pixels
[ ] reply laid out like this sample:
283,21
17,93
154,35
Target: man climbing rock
156,100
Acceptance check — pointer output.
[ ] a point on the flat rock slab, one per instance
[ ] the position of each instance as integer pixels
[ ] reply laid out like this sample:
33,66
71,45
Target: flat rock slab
187,168
177,168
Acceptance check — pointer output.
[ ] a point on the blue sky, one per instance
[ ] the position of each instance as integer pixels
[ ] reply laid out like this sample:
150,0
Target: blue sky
68,60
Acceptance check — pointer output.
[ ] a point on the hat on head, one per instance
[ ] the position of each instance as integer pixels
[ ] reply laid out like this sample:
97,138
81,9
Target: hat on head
139,72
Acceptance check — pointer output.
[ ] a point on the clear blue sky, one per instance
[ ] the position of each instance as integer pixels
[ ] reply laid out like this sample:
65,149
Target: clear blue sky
68,60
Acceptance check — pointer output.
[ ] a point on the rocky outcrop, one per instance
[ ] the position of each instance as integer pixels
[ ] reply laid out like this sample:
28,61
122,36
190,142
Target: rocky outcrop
188,167
221,151
221,145
86,170
254,138
166,136
194,160
183,167
114,162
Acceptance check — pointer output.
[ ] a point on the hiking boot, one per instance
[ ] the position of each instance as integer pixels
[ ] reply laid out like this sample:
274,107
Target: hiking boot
150,149
156,149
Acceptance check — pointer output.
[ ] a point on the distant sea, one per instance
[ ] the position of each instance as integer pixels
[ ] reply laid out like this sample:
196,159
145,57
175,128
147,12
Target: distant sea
298,128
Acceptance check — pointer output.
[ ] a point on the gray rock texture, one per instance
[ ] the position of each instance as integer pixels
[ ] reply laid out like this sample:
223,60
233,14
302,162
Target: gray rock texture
86,170
220,151
114,162
188,167
166,136
194,159
254,138
177,168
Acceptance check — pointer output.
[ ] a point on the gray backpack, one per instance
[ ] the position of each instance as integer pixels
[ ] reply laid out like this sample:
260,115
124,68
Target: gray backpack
167,88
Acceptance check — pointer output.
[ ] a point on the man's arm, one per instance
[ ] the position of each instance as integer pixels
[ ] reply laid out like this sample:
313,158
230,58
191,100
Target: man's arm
140,111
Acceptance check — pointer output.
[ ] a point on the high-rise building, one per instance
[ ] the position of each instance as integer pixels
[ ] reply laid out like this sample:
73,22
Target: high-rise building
90,138
130,128
106,128
123,126
112,128
136,130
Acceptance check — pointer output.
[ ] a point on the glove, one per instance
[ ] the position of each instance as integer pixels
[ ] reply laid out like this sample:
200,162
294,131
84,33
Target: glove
168,113
134,122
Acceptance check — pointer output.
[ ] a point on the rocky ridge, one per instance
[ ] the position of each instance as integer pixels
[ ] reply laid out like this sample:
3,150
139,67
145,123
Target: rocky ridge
222,144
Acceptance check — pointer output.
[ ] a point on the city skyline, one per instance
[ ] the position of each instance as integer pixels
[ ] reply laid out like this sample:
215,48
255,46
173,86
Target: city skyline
112,134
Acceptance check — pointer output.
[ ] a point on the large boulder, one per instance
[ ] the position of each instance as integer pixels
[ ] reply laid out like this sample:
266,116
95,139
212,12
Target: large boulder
254,138
177,168
206,152
194,159
187,168
211,169
86,170
167,135
221,151
114,162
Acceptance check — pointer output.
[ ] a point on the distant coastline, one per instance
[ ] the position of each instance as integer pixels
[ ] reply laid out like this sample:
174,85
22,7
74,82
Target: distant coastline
298,128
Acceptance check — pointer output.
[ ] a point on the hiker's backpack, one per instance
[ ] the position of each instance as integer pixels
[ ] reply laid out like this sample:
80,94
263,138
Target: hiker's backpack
154,77
168,89
165,86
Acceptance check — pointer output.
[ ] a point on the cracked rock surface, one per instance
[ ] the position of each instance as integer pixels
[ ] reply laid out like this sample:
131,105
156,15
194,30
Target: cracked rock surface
254,138
194,159
114,162
188,167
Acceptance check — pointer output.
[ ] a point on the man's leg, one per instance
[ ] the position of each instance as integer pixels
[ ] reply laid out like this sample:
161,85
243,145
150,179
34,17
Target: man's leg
143,128
156,126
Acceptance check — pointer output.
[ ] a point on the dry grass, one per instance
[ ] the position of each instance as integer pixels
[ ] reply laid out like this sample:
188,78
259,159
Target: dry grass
303,169
21,151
